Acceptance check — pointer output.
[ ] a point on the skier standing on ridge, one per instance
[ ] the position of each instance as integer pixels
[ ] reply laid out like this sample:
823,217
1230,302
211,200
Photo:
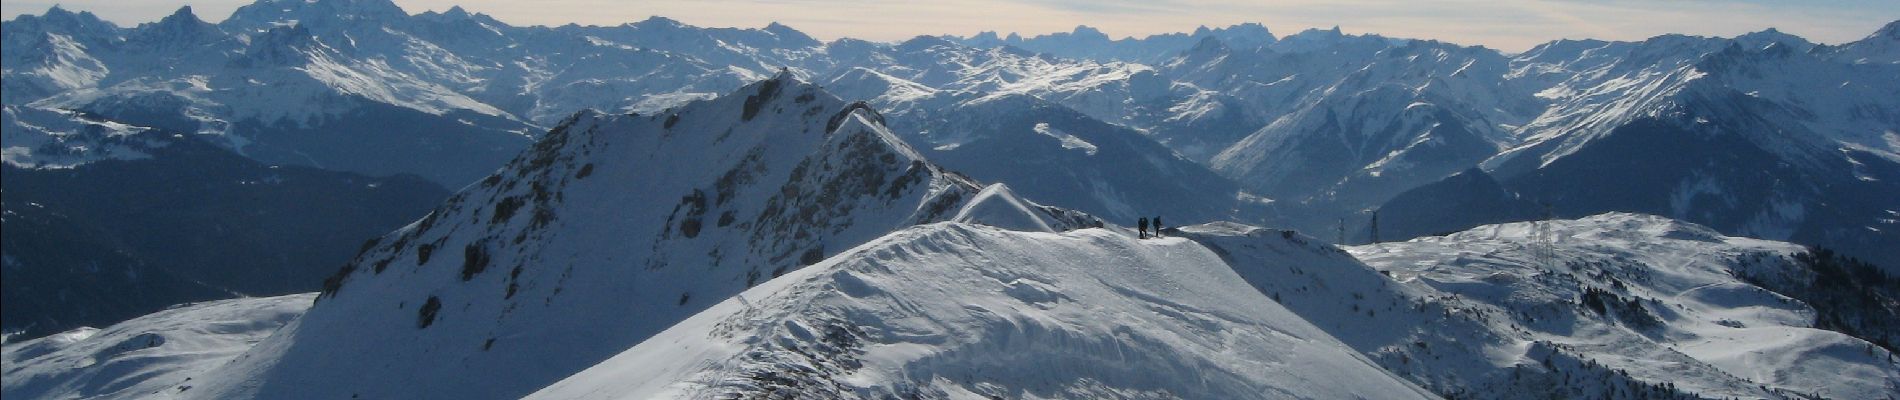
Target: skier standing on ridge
1157,226
1143,228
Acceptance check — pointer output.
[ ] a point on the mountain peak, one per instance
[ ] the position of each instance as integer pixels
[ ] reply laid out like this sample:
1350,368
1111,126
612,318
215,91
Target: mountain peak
922,42
658,22
1088,32
1209,45
785,76
1317,33
182,17
456,11
181,28
733,191
318,14
996,205
71,22
1314,37
788,35
1256,28
1771,37
56,11
1890,32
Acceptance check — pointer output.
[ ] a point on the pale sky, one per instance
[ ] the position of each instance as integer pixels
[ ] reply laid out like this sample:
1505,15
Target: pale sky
1510,25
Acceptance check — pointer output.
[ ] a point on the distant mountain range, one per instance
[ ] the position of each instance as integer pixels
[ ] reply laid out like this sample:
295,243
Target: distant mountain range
654,209
1310,130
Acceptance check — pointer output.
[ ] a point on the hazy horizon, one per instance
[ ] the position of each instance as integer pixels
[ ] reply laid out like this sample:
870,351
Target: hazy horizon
1505,25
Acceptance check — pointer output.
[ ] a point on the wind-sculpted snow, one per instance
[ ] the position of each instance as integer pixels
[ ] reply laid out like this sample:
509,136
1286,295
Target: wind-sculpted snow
608,230
964,311
154,356
1658,300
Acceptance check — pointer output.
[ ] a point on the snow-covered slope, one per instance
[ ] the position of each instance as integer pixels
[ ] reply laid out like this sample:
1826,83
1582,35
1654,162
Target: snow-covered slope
1352,120
153,356
51,138
1003,116
1115,92
290,98
53,52
448,96
1237,89
965,311
1767,142
1409,115
1435,341
998,206
1428,210
1597,87
607,231
1881,47
1764,135
1059,156
1662,301
1329,124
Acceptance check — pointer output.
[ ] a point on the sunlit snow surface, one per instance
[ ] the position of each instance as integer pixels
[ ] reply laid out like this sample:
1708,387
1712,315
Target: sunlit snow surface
153,356
967,311
1717,335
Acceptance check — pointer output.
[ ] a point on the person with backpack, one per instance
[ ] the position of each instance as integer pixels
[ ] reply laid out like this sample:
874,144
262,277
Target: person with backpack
1142,228
1157,226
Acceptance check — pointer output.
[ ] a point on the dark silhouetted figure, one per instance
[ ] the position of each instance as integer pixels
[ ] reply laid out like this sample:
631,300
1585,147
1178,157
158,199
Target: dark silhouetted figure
1157,226
1143,228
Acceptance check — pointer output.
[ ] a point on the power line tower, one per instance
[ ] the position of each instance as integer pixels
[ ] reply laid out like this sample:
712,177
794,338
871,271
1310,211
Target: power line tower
1375,226
1543,240
1342,232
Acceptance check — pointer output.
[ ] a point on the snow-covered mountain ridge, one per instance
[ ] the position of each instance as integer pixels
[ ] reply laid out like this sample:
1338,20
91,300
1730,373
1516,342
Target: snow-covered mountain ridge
1610,306
709,223
596,238
960,311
